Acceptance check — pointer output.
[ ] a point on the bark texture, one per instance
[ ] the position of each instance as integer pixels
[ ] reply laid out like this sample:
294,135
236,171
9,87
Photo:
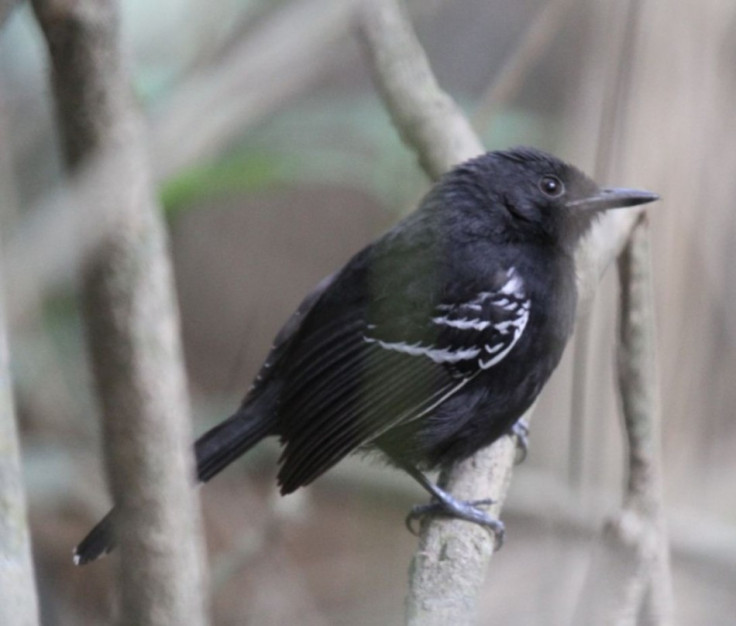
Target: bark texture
132,320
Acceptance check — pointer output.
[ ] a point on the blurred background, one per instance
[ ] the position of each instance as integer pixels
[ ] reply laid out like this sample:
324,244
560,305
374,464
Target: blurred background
276,162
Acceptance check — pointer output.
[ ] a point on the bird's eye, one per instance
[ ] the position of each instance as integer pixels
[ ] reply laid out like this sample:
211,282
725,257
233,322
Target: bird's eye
551,186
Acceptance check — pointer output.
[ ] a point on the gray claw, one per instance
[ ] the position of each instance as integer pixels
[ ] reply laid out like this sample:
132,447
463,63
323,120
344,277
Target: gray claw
467,511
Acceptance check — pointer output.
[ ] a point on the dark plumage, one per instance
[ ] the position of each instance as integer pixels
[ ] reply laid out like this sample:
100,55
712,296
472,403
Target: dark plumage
432,341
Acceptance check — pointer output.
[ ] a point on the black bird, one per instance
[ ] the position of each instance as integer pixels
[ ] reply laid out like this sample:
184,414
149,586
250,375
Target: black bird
432,341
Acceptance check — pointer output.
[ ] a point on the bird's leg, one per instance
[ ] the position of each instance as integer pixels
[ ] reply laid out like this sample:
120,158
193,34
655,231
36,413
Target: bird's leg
520,430
445,504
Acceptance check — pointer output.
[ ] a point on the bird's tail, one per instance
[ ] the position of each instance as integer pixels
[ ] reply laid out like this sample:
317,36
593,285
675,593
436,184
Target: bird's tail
214,451
224,443
100,540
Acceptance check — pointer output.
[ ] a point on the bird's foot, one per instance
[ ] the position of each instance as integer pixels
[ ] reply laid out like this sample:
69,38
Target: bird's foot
520,430
459,509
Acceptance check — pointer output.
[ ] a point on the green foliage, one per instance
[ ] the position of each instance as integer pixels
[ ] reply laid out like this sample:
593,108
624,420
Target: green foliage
243,172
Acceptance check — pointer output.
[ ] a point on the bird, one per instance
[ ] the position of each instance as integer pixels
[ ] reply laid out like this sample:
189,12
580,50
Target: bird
431,342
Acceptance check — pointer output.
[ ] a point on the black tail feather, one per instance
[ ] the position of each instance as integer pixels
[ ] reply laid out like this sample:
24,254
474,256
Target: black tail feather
224,443
214,451
99,541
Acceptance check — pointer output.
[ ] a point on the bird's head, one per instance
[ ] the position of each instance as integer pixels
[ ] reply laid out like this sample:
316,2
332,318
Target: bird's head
528,195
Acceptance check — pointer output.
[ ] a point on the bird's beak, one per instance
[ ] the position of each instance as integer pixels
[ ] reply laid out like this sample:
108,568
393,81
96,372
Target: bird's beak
616,198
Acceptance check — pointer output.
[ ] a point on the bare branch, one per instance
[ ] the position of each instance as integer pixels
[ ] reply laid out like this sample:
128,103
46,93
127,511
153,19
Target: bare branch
132,320
427,119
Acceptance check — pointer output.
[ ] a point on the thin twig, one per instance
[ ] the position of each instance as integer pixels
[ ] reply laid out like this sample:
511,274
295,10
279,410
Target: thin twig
630,576
639,388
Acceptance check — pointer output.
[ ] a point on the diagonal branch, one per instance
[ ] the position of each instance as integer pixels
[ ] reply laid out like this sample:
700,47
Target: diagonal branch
428,119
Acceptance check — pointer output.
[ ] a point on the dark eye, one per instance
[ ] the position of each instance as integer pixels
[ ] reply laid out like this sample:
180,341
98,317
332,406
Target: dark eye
551,186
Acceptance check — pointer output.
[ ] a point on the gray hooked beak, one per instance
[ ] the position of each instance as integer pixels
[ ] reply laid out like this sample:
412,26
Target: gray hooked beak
616,198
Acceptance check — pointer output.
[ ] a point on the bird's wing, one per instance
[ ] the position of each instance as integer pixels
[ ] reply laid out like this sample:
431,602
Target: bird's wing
288,332
475,333
353,379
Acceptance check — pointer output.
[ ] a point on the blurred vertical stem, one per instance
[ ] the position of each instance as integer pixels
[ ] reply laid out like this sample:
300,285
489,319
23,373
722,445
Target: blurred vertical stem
132,320
639,389
18,602
629,582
